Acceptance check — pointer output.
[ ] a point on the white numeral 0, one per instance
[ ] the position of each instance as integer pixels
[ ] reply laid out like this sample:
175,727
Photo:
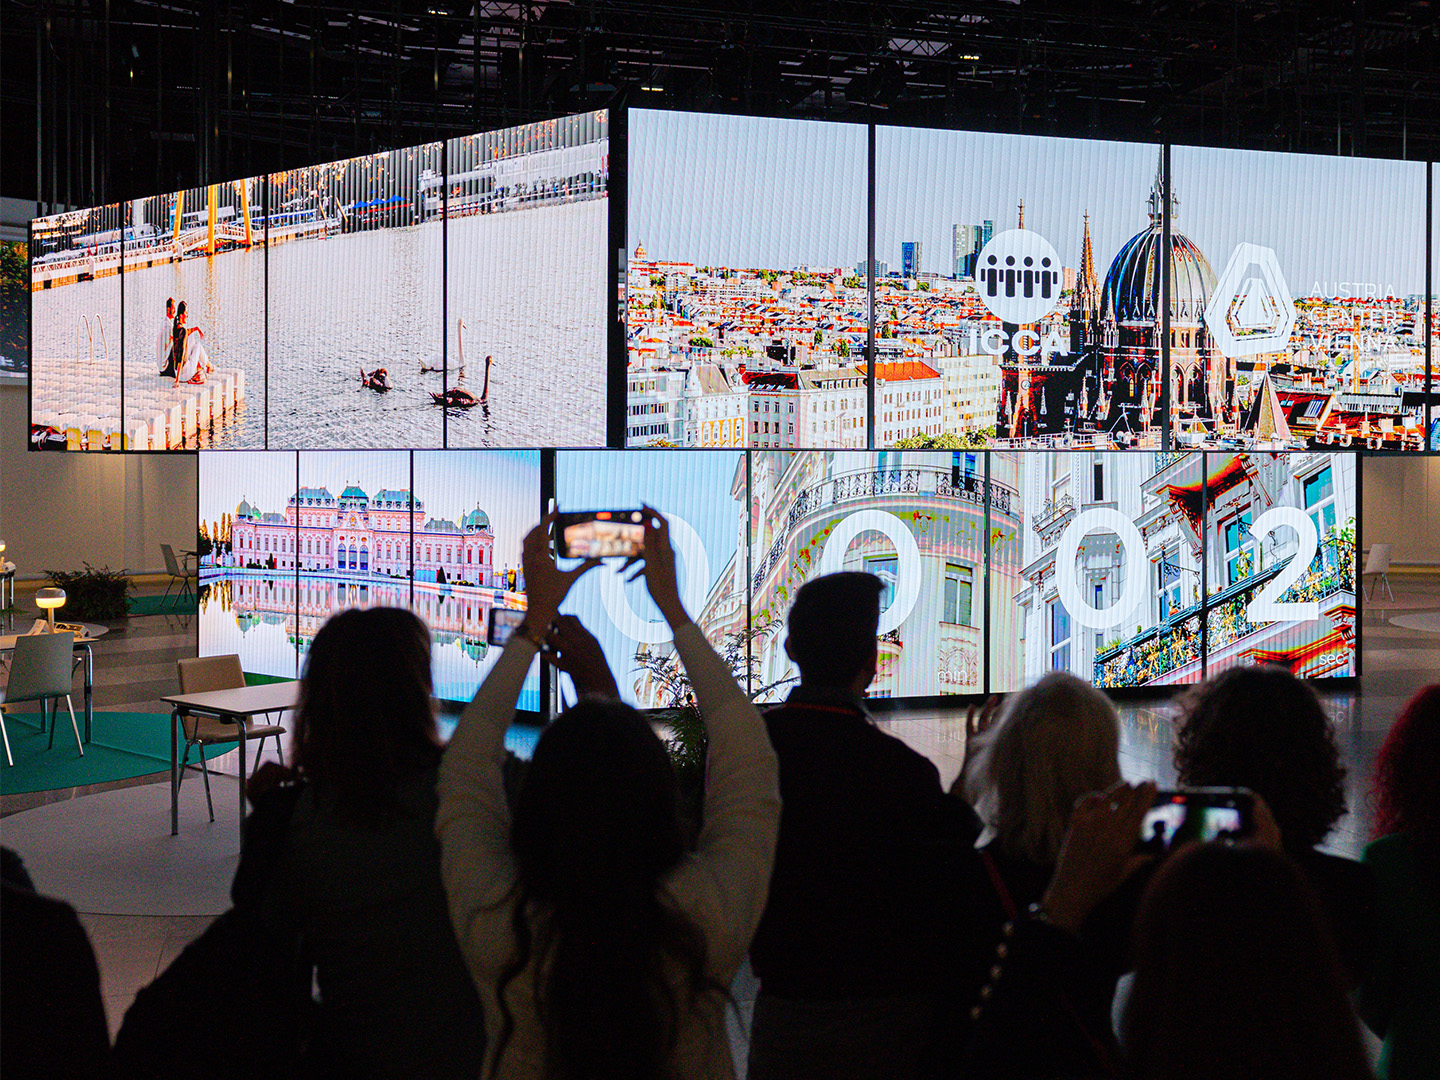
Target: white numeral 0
1267,606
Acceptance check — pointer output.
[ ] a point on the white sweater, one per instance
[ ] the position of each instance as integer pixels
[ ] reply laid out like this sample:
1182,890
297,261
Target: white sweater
721,886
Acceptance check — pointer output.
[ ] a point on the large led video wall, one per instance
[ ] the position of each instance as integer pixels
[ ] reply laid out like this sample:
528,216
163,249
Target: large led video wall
317,308
747,311
295,538
457,294
1126,569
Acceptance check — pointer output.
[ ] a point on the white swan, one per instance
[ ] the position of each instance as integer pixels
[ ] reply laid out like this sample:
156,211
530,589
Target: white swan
437,361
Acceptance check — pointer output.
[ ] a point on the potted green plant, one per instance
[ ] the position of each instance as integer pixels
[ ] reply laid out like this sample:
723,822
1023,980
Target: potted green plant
92,593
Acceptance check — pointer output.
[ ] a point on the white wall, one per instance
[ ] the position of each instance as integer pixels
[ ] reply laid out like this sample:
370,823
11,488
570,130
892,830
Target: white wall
1401,506
60,510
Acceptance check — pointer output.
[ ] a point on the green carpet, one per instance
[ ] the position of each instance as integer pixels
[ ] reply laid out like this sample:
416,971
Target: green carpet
123,745
161,605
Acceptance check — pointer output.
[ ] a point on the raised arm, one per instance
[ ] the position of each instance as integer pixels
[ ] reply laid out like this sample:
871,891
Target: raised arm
724,884
473,820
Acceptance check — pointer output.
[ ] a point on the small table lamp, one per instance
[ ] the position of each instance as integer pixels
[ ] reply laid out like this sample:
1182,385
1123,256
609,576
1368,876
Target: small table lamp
50,599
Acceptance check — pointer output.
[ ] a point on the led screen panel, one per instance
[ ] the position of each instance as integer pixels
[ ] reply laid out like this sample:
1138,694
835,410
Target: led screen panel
75,330
1095,567
1434,378
474,509
1306,280
1017,275
248,587
1280,542
526,225
14,309
915,519
746,304
702,495
355,514
356,277
195,318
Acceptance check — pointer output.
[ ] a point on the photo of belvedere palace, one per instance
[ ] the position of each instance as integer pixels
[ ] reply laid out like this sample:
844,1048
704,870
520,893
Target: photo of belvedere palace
356,533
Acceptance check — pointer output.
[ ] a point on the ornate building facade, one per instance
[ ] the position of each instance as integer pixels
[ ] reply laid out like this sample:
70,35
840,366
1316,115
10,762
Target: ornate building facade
384,535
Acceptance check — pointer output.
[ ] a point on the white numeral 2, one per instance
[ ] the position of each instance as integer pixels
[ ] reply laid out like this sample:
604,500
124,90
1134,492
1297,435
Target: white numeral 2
1267,606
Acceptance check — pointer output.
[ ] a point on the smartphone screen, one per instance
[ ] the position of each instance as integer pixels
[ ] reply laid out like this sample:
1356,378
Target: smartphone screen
600,534
503,622
1199,814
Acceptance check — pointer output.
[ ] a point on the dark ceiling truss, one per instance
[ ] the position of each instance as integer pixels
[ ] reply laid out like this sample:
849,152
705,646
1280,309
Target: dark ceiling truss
138,95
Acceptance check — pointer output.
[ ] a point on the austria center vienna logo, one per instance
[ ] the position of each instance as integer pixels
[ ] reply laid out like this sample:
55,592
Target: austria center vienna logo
1251,310
1018,276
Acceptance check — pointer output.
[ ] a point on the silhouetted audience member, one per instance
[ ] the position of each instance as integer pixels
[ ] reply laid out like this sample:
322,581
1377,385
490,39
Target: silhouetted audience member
1053,742
853,941
601,946
1261,728
52,1018
1236,975
359,872
1400,995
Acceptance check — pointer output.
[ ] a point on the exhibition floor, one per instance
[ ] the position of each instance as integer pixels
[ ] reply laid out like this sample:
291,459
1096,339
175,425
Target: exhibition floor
144,895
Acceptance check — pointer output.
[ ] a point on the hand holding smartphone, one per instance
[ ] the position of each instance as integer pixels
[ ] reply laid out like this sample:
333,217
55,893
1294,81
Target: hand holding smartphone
600,534
1212,813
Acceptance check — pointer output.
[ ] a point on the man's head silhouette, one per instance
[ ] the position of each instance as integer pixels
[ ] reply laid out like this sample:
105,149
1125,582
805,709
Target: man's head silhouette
832,629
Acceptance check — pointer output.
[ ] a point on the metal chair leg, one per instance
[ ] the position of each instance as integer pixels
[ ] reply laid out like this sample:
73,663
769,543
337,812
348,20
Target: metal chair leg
205,771
43,706
1386,579
73,726
9,760
180,773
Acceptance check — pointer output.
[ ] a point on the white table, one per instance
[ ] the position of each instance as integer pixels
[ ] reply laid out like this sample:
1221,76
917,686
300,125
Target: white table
239,707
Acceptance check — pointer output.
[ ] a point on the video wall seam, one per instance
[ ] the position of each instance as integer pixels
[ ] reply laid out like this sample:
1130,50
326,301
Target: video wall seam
747,302
1127,569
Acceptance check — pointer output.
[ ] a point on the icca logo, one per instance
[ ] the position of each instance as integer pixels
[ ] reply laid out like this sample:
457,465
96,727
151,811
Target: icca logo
1018,276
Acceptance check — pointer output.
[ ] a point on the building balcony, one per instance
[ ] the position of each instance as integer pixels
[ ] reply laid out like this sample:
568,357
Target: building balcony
1053,516
864,485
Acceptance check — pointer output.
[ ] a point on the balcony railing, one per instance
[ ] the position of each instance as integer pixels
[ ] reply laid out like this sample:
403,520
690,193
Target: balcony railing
1227,621
861,484
1152,653
1176,642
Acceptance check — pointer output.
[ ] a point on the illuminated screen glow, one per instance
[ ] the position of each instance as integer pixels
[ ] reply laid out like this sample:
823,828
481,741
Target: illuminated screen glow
1074,348
299,540
75,330
1308,330
914,519
698,493
729,269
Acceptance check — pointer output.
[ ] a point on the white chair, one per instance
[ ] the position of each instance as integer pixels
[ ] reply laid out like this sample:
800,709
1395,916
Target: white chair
179,570
199,674
1377,564
41,669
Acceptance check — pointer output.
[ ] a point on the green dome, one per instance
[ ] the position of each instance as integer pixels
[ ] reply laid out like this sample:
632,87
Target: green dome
477,519
244,510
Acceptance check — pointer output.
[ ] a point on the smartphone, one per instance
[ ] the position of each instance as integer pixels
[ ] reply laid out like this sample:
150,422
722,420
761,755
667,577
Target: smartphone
503,622
599,534
1212,813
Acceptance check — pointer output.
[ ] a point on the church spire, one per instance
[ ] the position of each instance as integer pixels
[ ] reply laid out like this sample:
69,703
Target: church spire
1157,199
1021,225
1087,287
